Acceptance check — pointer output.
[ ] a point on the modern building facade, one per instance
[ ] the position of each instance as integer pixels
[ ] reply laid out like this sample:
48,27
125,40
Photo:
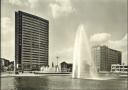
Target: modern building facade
31,41
104,57
117,68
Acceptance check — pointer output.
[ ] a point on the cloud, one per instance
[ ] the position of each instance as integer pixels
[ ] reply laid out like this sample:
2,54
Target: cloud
30,3
61,7
33,3
6,28
104,39
120,45
5,21
7,38
100,38
18,2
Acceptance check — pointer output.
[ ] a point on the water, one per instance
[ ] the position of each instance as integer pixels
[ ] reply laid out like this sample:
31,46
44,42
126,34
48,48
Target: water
61,83
83,64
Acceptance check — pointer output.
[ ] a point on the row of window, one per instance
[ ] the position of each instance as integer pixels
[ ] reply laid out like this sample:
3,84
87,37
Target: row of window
34,24
35,37
30,29
35,60
34,27
34,19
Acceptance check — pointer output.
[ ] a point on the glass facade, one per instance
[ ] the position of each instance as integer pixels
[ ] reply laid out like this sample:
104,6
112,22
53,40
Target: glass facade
104,57
31,33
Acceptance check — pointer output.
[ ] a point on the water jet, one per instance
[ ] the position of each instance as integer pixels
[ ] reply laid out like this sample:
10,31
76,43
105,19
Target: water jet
83,64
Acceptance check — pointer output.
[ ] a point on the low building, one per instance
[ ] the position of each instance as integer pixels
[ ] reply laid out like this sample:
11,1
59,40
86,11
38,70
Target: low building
66,67
4,64
117,68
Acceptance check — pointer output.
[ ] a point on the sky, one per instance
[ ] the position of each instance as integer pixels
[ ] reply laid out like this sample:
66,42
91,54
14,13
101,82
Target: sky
104,21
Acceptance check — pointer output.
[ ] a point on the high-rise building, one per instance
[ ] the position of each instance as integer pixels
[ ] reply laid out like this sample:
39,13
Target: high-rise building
104,57
31,41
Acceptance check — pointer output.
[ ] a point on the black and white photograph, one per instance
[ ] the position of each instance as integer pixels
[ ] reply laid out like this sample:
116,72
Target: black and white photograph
64,45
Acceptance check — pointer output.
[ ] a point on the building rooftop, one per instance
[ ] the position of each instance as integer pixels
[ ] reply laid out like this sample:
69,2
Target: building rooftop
40,18
105,47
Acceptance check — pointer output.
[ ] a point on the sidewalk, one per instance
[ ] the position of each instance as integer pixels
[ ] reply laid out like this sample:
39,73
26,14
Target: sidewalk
16,75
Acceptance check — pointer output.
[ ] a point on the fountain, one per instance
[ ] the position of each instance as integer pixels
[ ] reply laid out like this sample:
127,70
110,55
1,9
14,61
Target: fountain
83,64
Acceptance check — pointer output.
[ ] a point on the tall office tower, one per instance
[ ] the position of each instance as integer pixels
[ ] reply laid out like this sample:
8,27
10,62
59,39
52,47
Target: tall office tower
31,41
104,57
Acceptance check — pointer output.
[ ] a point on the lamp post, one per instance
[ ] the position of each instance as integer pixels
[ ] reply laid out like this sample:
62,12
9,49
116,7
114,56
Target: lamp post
14,67
57,67
57,59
